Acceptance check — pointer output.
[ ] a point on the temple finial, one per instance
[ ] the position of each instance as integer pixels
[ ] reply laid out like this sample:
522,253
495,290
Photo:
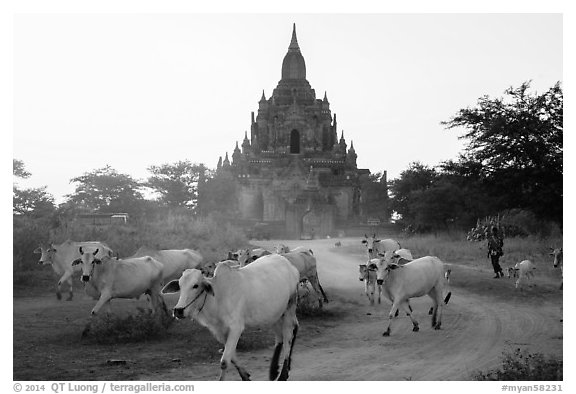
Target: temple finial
294,41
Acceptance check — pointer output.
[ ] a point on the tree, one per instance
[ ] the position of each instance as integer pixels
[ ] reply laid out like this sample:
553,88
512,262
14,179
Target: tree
18,169
375,202
217,195
517,140
35,202
437,206
417,177
106,190
177,183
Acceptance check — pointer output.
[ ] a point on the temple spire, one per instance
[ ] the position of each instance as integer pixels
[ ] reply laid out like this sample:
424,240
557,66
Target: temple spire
294,41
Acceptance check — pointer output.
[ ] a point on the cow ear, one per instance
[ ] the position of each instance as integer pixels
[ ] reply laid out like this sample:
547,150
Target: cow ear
76,262
172,287
364,241
230,256
392,266
98,261
377,240
38,250
207,284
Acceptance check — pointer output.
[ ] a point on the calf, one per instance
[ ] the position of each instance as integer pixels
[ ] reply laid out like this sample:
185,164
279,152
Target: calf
523,269
261,293
368,276
423,276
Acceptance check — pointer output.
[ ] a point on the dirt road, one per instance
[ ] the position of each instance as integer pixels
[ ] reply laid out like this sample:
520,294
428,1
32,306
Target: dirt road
485,317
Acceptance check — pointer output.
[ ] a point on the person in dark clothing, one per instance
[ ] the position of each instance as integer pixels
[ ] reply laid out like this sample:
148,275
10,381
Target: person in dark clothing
495,245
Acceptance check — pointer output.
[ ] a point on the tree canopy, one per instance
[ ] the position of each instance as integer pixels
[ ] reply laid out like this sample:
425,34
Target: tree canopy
517,143
35,202
177,184
106,190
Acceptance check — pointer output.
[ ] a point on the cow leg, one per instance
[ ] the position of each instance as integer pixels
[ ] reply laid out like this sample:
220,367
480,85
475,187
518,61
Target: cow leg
67,277
321,289
104,298
436,295
230,351
289,331
244,375
316,286
70,293
367,291
278,344
391,315
408,309
379,293
370,293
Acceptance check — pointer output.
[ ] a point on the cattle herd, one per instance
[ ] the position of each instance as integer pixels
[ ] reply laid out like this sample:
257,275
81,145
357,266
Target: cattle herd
252,287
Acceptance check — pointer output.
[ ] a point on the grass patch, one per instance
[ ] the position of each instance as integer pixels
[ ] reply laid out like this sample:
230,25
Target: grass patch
143,326
521,365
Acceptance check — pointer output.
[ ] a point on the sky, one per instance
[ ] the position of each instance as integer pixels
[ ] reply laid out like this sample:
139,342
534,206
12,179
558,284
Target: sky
134,90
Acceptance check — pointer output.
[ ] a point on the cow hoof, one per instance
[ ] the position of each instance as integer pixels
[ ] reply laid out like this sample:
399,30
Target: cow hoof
416,328
58,296
386,333
397,312
69,298
437,326
431,310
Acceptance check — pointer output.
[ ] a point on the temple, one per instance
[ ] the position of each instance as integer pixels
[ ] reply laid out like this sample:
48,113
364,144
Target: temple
292,170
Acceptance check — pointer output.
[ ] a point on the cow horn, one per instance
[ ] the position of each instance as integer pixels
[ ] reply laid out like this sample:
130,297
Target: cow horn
95,252
80,249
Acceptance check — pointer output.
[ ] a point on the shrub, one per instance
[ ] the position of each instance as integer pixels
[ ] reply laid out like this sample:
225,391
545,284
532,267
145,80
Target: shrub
522,365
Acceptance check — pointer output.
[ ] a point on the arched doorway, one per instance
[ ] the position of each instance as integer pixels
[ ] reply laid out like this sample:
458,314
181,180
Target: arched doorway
294,141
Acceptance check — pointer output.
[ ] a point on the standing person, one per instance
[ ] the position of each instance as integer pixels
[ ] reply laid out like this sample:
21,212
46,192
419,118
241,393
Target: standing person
495,244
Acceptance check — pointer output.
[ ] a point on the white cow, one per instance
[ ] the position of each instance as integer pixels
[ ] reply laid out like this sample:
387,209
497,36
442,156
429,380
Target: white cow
368,276
305,262
423,276
261,293
523,269
174,261
121,278
375,245
558,261
400,256
61,256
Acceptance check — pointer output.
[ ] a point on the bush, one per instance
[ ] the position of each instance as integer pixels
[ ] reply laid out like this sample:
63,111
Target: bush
522,365
211,239
514,223
143,326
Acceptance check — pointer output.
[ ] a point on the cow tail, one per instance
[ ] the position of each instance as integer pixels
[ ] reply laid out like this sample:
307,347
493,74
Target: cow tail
447,277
